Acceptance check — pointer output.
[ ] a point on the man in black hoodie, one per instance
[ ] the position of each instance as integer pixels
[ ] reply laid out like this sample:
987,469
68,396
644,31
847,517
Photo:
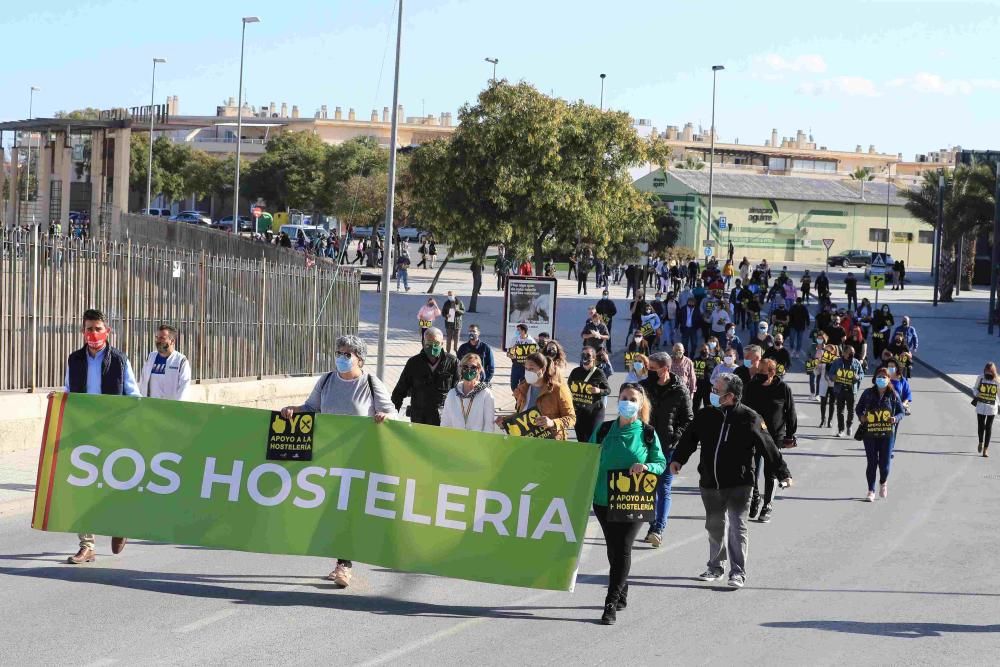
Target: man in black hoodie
729,437
670,414
772,399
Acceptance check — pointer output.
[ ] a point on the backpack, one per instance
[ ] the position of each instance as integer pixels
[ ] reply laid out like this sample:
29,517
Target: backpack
648,434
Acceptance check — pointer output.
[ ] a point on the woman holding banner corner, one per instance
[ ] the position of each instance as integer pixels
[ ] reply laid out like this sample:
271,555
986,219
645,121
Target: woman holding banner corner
627,444
350,390
544,389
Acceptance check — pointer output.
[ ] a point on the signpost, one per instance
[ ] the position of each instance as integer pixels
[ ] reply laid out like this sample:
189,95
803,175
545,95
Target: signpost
877,273
829,244
723,224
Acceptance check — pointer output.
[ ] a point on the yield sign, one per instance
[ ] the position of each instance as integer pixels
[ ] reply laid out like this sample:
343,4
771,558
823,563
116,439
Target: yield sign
828,243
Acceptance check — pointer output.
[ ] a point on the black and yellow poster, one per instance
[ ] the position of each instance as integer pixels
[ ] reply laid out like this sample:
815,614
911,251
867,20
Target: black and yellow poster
523,424
878,423
290,439
811,365
778,329
630,357
582,393
845,376
986,393
631,497
522,351
647,330
828,357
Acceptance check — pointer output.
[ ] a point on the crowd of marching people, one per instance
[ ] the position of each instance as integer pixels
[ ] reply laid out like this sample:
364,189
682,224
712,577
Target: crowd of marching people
706,356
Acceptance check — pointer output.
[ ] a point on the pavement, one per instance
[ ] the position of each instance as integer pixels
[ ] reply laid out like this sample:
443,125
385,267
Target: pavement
832,579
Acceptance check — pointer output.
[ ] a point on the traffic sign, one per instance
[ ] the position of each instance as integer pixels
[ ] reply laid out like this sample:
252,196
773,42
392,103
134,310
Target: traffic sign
878,264
723,224
828,243
708,251
257,211
877,281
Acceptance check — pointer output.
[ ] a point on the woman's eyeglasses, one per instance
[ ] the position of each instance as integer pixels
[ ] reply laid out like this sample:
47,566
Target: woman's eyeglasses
470,368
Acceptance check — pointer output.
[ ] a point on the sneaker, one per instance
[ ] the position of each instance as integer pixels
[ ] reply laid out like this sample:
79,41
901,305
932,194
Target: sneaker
980,448
610,615
765,514
754,506
816,398
341,575
711,575
655,540
647,539
737,581
870,497
840,434
883,491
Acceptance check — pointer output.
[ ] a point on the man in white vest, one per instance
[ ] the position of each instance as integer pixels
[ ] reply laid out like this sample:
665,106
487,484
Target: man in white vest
166,373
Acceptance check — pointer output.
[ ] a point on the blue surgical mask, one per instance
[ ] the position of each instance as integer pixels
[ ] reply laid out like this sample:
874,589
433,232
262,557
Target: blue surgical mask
628,409
637,365
881,382
715,400
344,365
711,346
747,363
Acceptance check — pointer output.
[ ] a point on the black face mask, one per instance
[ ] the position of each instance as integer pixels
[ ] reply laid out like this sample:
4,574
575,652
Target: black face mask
988,376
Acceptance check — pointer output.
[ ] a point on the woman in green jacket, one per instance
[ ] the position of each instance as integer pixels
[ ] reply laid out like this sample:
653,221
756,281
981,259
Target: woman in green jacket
627,443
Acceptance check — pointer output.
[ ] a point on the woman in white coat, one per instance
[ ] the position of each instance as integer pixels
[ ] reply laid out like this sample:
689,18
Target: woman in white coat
469,405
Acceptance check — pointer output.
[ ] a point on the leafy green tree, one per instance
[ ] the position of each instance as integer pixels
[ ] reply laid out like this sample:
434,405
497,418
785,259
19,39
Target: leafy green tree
290,172
528,169
968,208
87,113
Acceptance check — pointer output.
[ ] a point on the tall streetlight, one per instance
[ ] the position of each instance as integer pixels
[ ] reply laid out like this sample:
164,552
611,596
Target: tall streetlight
603,76
239,127
27,183
711,162
493,61
149,170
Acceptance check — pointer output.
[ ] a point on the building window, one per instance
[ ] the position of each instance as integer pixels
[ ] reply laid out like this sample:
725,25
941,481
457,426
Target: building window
776,163
877,234
925,236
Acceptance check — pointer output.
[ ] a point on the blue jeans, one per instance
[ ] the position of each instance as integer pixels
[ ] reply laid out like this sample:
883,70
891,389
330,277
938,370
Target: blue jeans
795,339
516,374
666,480
404,276
879,453
689,337
668,333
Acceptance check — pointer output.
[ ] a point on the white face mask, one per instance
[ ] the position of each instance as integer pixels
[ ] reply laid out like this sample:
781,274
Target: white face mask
531,377
729,360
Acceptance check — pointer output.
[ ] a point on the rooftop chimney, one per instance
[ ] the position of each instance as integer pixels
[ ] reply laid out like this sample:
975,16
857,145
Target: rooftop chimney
385,114
270,109
295,111
374,115
284,109
338,114
774,137
871,149
399,112
858,148
351,116
323,112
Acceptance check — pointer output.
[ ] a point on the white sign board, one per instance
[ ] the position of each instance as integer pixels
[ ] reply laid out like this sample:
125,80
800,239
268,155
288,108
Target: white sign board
530,301
723,223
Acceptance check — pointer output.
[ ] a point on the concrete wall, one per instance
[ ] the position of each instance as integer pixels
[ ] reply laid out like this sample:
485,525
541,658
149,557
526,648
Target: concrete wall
23,415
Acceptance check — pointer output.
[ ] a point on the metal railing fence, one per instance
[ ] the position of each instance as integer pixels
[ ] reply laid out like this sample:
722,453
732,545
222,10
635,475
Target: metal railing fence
237,318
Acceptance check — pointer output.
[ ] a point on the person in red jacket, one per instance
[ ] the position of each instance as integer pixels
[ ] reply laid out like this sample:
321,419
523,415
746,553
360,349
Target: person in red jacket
525,268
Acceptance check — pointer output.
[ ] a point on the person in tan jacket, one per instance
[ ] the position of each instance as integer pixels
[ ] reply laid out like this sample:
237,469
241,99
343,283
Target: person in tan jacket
544,388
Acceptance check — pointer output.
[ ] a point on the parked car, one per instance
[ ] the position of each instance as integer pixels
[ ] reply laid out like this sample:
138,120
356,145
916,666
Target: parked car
158,212
411,234
226,224
366,232
312,232
205,218
192,219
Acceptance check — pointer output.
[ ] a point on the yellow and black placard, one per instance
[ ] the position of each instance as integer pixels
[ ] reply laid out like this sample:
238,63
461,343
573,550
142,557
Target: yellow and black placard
522,351
582,393
845,376
606,319
631,497
986,392
709,306
877,335
828,357
291,439
811,365
647,330
779,370
425,324
523,424
630,357
701,368
878,423
778,328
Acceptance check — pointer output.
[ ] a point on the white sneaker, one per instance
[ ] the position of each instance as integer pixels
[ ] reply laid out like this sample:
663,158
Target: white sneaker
840,434
816,398
883,491
870,497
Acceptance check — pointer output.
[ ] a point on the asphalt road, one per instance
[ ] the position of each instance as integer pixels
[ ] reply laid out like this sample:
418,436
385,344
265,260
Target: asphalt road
832,580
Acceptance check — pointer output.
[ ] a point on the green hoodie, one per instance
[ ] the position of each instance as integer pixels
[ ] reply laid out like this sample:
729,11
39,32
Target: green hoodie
621,448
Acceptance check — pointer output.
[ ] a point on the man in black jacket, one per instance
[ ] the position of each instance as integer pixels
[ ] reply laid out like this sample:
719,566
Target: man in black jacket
427,378
670,414
729,437
772,399
607,309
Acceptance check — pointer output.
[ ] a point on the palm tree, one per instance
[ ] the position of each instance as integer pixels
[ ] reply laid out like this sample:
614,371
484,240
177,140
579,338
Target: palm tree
968,207
690,163
862,174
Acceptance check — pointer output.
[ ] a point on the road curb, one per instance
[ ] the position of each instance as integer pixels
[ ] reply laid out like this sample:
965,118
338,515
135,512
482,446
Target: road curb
965,389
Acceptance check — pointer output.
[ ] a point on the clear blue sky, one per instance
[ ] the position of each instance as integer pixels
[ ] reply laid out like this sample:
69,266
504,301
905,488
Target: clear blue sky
906,76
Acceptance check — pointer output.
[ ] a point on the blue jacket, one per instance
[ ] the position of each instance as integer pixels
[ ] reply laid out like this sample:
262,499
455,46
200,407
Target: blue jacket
910,335
902,387
839,367
870,401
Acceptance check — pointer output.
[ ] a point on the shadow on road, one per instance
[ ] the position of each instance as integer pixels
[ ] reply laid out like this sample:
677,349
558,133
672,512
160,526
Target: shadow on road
17,487
325,596
899,630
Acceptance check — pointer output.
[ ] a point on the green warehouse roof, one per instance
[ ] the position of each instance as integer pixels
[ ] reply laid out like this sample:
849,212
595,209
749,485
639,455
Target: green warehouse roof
759,186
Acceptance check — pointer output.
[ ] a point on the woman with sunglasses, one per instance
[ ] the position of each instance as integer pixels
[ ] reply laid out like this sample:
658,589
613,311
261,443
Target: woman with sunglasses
627,443
350,390
470,405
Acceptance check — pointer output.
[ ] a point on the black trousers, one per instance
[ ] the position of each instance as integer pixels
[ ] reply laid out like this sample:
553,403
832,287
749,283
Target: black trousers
586,420
985,427
430,416
845,399
581,282
618,536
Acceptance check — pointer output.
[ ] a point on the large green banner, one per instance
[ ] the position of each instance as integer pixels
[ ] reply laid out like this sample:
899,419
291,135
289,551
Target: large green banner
485,507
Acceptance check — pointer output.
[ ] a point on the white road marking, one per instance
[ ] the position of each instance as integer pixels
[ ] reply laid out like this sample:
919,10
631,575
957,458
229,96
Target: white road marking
393,656
208,620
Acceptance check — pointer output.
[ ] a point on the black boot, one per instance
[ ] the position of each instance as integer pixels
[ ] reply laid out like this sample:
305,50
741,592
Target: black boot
622,599
610,615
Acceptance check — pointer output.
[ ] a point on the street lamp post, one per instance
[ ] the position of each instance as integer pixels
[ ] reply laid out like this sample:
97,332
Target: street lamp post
27,182
937,238
711,162
603,76
149,169
239,127
493,61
